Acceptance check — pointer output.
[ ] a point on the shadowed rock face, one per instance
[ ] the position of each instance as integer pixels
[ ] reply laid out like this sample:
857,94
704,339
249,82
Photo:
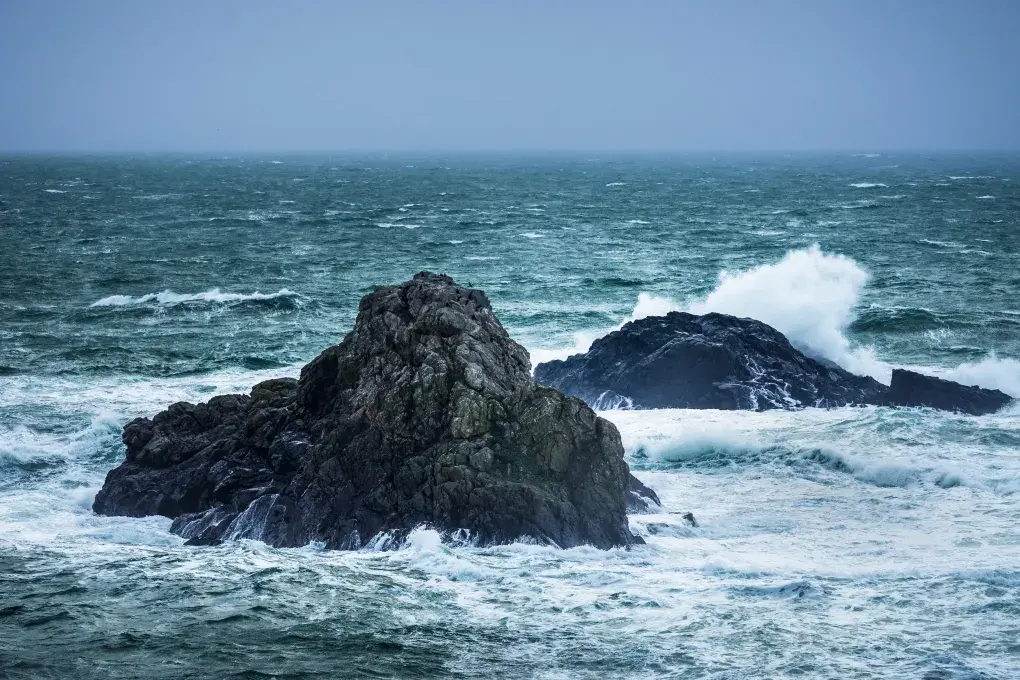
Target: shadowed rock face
713,361
723,362
426,413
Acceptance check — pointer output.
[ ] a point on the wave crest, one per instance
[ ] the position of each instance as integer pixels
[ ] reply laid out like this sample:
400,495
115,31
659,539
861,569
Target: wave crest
170,298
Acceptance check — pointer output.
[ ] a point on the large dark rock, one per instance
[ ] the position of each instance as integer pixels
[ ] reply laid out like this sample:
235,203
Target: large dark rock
426,413
724,362
713,361
915,389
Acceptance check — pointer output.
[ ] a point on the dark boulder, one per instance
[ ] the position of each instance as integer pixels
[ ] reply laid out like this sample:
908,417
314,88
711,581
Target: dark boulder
712,361
915,389
426,413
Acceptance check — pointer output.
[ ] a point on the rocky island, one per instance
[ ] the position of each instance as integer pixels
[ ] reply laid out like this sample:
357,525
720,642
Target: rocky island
425,414
718,361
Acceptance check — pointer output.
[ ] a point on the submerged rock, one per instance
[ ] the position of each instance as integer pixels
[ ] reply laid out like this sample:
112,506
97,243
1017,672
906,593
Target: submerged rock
717,361
426,413
915,389
713,361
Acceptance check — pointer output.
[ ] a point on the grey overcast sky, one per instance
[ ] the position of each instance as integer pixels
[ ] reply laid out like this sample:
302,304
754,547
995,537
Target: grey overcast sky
250,75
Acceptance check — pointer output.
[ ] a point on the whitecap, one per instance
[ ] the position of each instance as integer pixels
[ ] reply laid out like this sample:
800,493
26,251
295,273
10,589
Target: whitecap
637,222
531,234
54,191
869,185
985,197
615,184
168,297
455,242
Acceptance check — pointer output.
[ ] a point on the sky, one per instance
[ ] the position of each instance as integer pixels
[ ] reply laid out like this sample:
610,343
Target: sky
527,75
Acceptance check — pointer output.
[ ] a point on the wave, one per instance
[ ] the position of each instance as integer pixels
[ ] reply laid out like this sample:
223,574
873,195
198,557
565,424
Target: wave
808,296
719,444
169,298
869,185
531,234
708,450
26,448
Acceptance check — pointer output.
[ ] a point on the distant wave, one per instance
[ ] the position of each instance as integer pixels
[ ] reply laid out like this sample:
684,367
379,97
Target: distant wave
54,191
615,184
531,234
868,185
168,297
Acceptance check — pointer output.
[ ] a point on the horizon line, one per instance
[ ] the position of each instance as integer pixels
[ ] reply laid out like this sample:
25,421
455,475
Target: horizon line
515,151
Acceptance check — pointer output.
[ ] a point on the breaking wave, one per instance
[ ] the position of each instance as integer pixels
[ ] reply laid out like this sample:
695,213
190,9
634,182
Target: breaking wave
810,296
169,298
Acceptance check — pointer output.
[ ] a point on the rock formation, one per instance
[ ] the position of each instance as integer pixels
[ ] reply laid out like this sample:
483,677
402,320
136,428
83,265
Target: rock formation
713,361
915,389
723,362
426,413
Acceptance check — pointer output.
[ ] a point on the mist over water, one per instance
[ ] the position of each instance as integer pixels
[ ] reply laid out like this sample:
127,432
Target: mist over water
853,543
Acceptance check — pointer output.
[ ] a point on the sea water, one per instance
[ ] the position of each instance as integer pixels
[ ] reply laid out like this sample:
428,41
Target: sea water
843,543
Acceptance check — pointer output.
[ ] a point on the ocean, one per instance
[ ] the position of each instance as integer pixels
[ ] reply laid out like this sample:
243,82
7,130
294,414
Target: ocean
843,543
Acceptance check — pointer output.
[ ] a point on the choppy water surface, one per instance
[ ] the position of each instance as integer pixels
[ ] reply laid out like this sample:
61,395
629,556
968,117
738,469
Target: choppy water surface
848,543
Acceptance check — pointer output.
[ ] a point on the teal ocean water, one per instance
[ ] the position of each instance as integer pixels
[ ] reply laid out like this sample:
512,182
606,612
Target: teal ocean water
844,543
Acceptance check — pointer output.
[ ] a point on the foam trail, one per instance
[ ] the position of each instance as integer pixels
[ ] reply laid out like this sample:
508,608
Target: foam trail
168,297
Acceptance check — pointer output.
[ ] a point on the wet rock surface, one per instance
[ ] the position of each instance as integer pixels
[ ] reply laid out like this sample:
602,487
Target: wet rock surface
426,413
717,361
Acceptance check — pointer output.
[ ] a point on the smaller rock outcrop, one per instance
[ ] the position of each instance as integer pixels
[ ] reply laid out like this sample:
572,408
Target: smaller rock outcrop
916,389
717,361
712,361
426,413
